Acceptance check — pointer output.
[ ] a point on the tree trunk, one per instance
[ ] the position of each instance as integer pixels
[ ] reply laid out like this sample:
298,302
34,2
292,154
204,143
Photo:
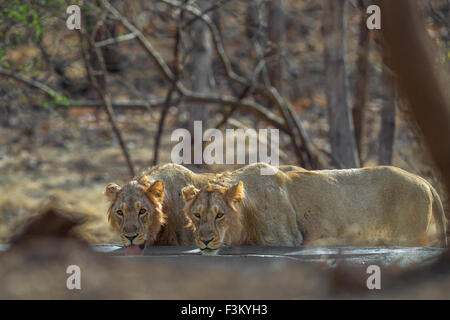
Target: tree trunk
253,19
342,138
201,66
201,74
420,78
362,73
387,130
276,32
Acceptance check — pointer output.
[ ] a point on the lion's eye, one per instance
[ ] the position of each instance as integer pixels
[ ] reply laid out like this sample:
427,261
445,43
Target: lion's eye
142,211
219,215
197,215
119,212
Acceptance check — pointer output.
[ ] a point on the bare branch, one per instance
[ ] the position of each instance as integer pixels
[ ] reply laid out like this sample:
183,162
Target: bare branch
102,92
246,105
293,124
215,37
215,6
31,82
132,104
108,42
64,102
154,54
188,95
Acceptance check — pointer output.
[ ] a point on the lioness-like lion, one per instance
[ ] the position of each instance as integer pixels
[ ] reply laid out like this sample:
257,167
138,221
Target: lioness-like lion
149,208
370,206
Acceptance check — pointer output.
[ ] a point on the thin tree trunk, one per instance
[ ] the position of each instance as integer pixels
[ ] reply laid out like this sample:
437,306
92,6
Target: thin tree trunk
253,19
387,131
201,66
362,73
201,73
342,138
276,33
162,119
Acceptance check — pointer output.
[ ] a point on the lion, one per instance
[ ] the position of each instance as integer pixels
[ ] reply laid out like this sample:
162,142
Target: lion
366,207
148,210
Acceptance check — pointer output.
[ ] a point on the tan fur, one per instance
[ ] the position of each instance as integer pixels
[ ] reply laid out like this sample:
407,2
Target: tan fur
370,206
158,191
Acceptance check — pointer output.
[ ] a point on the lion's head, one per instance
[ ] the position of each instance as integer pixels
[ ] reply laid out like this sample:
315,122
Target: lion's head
214,213
136,211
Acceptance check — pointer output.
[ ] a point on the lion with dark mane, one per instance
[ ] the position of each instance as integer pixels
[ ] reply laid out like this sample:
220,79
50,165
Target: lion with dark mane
149,208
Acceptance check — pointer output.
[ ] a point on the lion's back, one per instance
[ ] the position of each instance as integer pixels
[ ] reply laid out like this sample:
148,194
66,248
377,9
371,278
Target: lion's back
381,203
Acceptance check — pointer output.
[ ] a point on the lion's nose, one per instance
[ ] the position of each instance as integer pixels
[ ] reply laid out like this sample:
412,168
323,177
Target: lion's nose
206,241
131,238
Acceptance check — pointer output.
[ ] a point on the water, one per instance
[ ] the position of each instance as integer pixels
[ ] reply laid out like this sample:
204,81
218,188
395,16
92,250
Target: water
400,256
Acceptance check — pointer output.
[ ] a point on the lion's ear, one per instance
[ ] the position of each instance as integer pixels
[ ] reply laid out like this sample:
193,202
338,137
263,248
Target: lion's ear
235,193
157,190
143,179
111,191
189,192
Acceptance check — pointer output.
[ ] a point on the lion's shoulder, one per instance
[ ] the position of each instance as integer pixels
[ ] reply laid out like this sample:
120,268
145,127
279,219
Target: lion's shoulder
166,169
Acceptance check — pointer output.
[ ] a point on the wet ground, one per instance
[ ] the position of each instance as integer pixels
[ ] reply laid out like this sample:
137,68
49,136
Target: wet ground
266,256
262,257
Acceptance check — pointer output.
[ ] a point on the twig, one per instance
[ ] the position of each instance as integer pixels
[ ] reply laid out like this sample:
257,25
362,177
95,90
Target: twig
246,105
110,41
246,92
64,102
213,7
31,82
129,105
